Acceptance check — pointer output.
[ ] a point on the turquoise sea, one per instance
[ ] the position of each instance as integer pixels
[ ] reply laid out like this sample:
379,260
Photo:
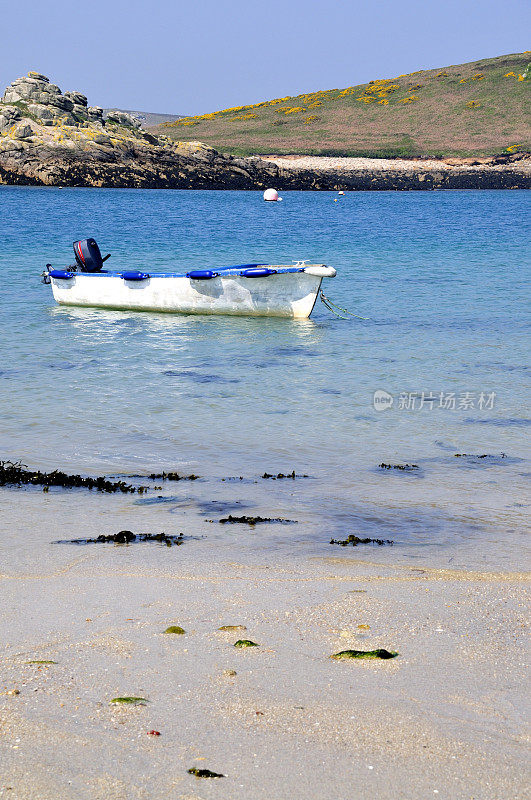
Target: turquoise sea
442,278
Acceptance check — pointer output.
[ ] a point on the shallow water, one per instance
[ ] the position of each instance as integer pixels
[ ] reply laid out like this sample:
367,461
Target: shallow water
441,277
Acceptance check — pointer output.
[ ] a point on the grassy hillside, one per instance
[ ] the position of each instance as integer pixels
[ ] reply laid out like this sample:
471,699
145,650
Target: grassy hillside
479,108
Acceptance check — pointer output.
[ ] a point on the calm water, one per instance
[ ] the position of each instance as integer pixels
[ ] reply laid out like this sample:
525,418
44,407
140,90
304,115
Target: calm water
442,278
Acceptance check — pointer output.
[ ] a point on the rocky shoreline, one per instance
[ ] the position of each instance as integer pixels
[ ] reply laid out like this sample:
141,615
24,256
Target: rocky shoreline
48,138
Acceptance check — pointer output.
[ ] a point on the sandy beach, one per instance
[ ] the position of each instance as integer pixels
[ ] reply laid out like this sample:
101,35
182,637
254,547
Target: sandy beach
345,164
445,718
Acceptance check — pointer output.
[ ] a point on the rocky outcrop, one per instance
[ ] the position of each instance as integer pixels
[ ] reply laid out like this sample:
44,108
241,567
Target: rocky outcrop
48,138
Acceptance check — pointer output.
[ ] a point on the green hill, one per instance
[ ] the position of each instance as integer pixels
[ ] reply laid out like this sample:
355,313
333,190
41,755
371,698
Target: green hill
475,109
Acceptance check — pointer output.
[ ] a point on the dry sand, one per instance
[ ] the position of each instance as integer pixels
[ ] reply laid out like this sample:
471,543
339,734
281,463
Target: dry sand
445,719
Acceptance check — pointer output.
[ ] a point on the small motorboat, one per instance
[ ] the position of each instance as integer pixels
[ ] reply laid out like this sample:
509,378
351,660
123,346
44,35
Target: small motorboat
256,290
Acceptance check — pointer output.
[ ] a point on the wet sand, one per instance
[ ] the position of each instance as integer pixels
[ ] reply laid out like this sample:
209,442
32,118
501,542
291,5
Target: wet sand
446,718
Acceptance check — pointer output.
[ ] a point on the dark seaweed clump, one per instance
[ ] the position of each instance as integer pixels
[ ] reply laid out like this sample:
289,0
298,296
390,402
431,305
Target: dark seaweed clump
256,520
281,475
17,474
355,540
172,476
204,773
402,467
128,537
484,455
345,655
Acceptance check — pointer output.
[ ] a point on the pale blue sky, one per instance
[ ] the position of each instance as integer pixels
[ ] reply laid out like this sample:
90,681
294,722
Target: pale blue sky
193,57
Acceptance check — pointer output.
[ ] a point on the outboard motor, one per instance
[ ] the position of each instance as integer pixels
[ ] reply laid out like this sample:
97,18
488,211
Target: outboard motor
88,256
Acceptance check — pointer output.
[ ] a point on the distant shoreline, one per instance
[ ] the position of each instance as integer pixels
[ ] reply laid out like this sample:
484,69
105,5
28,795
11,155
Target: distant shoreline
316,173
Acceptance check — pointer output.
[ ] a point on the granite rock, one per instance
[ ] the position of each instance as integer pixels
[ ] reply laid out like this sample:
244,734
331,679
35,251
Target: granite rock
122,118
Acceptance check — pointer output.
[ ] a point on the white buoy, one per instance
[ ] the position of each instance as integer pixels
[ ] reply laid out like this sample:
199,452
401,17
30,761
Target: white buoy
270,194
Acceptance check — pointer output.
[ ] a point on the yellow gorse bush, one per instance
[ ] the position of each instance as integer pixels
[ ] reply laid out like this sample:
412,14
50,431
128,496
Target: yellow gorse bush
473,104
295,110
310,119
406,100
510,75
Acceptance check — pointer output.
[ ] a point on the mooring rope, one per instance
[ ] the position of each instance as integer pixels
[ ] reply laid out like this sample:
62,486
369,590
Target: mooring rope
331,306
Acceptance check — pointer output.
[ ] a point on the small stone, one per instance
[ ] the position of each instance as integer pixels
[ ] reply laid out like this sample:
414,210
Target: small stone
13,692
229,673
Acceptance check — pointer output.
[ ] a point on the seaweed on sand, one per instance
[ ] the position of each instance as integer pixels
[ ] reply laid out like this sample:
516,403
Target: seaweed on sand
483,455
17,474
346,655
172,476
256,520
355,540
245,643
401,467
204,773
128,537
281,475
129,701
227,628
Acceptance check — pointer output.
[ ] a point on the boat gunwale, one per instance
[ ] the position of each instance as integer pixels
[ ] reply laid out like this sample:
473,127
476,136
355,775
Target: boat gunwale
222,272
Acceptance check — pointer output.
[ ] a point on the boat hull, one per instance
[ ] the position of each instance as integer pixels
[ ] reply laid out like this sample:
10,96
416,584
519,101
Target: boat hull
290,295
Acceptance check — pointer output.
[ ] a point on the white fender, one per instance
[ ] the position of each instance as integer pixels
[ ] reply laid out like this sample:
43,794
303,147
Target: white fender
321,271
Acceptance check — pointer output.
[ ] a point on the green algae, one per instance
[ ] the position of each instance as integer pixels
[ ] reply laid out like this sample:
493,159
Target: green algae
232,628
41,661
346,655
129,701
245,643
174,629
204,773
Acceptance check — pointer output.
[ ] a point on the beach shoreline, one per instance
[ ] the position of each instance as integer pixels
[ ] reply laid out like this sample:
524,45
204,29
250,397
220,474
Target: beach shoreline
189,170
443,718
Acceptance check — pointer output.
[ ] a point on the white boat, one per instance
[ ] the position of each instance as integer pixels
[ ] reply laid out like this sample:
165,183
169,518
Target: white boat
258,290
